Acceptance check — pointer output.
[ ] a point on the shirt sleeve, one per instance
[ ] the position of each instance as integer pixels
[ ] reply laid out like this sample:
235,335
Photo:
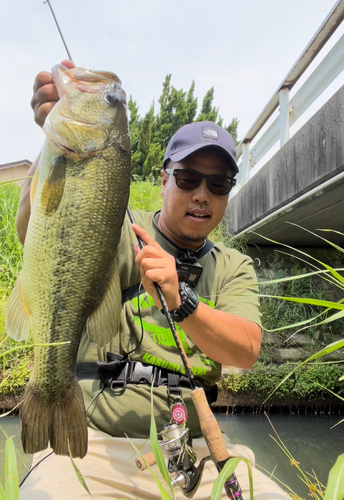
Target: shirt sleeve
237,287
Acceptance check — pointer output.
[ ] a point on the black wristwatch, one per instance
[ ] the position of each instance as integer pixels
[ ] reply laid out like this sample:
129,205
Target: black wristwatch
189,303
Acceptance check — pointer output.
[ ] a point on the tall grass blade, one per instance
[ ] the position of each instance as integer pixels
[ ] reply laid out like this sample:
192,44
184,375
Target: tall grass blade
78,474
318,236
335,484
19,347
329,390
11,471
327,350
2,183
315,302
160,460
332,318
2,493
228,469
331,231
337,277
163,492
293,278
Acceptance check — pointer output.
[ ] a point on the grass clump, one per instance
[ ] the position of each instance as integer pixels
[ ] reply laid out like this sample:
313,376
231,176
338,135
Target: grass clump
277,313
262,380
15,368
10,249
145,196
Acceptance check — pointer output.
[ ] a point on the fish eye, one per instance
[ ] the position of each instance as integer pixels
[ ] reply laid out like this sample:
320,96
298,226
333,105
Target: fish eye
112,98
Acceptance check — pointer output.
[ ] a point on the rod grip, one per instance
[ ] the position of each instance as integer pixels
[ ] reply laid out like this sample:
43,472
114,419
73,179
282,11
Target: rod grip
210,427
148,458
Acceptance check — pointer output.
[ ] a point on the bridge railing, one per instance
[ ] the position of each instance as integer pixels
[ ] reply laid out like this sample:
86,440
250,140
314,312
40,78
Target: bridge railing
290,110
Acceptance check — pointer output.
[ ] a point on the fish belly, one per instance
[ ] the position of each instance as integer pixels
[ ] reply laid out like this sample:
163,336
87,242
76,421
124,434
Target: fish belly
69,259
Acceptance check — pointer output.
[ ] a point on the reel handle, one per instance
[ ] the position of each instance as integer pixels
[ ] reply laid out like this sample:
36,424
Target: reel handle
148,459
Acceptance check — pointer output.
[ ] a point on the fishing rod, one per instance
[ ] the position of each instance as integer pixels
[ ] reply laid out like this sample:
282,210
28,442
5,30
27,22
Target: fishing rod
209,425
58,27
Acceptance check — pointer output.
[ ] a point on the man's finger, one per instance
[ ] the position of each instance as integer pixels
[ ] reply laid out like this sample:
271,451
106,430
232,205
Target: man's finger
47,93
43,78
145,237
68,63
42,112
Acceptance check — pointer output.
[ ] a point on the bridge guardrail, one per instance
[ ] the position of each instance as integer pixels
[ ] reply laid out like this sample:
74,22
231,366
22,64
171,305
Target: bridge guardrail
291,110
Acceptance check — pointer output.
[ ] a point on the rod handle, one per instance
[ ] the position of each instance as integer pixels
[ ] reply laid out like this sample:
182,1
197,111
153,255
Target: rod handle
148,458
210,427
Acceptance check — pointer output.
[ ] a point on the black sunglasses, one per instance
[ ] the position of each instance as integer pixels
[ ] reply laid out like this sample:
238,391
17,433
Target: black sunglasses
190,179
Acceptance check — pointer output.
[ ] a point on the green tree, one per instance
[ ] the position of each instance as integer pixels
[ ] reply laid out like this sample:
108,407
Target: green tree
151,134
232,128
208,111
191,103
153,163
162,132
144,141
134,127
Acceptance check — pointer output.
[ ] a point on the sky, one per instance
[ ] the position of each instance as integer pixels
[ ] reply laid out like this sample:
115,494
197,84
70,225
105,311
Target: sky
242,48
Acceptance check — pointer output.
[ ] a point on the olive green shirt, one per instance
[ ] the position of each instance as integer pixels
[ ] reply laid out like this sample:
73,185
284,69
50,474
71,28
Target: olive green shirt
224,285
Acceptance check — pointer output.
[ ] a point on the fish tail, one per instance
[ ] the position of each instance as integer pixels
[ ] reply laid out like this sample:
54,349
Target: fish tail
35,417
63,423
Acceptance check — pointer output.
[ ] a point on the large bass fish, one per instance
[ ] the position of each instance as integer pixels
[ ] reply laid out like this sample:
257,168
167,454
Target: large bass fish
69,282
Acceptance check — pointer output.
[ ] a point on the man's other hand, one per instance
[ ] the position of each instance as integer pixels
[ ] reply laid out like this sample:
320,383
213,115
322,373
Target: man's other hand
45,94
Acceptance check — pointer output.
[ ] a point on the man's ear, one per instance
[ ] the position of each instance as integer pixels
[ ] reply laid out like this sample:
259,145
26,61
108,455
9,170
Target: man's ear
164,179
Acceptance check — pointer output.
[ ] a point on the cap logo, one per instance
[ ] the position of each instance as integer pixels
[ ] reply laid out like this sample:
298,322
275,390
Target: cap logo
209,133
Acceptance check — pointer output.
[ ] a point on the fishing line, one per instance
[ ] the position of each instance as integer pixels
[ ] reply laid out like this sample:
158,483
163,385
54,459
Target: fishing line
130,352
33,467
141,321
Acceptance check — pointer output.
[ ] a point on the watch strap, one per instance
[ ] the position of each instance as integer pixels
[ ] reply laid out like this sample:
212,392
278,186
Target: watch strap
189,303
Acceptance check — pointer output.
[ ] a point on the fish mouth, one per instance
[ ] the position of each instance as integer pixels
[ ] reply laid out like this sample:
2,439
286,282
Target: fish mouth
85,80
66,148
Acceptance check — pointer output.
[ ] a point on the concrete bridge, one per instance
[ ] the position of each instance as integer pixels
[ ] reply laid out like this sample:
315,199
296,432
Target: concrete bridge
303,183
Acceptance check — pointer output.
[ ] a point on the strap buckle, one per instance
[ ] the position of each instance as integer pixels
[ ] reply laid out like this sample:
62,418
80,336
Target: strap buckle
146,374
119,384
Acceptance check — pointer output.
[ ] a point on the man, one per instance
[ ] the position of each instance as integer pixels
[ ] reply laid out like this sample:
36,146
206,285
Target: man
215,311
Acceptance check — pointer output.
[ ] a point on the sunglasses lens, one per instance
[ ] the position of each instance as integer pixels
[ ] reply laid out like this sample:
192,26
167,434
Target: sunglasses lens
219,185
188,179
191,179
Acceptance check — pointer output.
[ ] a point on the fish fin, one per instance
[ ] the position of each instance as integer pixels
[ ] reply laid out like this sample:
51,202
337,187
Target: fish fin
18,315
68,425
63,422
35,415
54,185
33,187
103,324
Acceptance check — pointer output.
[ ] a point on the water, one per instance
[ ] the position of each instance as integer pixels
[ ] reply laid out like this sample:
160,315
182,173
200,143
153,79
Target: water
309,439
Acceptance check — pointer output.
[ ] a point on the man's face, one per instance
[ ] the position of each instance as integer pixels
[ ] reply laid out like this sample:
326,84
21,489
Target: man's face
187,217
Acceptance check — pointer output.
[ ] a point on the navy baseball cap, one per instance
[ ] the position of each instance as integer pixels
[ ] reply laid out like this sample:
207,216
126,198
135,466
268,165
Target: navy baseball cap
198,135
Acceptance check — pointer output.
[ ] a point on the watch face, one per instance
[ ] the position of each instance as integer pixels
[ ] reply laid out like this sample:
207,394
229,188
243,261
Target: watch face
189,303
189,292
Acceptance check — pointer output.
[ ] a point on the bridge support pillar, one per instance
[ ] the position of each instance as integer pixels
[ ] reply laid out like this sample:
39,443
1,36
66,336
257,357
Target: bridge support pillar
284,115
246,162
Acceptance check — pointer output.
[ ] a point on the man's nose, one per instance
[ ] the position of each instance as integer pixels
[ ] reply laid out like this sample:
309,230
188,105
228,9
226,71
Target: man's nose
201,193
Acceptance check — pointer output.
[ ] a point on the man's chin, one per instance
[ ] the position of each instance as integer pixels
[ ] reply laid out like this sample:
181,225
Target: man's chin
195,240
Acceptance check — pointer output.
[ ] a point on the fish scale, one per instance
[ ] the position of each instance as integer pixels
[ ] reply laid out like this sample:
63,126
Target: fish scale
69,281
